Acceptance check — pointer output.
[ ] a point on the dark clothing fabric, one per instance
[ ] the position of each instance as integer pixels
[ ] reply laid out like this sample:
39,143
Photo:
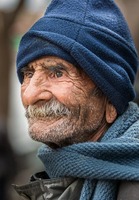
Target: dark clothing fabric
128,191
41,187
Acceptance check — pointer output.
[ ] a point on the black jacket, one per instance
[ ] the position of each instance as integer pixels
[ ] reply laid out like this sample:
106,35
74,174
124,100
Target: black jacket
43,188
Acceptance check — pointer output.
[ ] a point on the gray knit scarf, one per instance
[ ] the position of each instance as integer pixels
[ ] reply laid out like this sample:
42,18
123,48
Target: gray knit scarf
102,164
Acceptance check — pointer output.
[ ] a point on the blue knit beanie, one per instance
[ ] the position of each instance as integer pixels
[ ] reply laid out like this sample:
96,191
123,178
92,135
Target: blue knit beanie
92,34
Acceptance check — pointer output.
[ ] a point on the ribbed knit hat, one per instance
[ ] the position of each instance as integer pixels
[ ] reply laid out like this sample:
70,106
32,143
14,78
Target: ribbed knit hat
92,34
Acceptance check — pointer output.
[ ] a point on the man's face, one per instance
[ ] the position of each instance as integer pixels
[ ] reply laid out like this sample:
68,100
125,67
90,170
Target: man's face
61,105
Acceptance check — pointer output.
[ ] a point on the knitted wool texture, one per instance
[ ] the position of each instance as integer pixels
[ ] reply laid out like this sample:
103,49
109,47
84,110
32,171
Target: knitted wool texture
91,34
101,164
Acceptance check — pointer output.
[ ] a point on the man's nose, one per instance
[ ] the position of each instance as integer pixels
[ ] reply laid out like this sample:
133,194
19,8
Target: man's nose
37,90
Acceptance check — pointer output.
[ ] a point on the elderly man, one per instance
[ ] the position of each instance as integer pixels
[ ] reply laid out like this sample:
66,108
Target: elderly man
77,66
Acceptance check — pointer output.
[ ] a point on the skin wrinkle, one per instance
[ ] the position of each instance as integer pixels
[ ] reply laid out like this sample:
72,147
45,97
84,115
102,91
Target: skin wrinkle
64,109
82,83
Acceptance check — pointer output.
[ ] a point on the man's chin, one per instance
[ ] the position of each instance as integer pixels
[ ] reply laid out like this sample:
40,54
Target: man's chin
48,132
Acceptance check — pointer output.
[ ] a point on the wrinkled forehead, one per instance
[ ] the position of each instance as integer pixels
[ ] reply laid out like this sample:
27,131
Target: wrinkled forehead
51,61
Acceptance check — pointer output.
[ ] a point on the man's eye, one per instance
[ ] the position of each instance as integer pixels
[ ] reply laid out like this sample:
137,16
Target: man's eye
58,74
28,74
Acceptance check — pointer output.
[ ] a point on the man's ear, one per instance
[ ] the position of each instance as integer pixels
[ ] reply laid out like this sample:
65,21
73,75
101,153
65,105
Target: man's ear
111,113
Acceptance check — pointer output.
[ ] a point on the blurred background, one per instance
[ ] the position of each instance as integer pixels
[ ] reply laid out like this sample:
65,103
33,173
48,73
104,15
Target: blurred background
18,160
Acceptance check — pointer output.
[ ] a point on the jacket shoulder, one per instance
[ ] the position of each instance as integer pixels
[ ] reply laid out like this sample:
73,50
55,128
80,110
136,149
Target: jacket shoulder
128,190
41,187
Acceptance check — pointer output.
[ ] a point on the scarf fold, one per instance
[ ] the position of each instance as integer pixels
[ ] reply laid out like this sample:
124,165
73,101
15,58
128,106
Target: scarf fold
102,164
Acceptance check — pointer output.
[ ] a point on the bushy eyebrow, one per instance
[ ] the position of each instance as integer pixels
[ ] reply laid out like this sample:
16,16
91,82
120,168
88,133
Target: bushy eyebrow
57,66
43,65
26,68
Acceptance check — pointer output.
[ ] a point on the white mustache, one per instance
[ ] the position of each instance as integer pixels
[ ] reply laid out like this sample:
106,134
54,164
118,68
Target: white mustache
50,109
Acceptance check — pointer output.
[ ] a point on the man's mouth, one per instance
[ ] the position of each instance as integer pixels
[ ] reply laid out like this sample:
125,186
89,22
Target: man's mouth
49,110
47,121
